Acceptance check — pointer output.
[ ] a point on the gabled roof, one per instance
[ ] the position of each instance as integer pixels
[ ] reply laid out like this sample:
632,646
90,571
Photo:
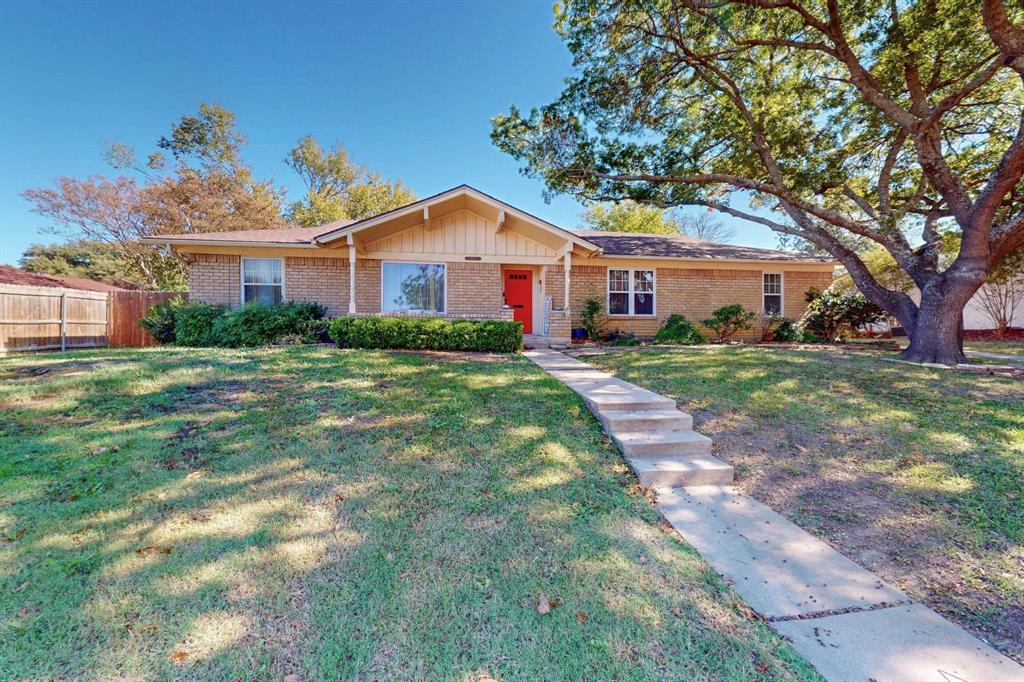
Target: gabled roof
634,245
460,190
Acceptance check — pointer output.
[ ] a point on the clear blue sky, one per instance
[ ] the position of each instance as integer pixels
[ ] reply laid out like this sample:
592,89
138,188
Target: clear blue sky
408,87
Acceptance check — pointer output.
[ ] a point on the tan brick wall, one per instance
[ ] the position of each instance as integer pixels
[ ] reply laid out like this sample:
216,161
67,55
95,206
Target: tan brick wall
794,289
367,286
693,292
318,280
474,289
214,279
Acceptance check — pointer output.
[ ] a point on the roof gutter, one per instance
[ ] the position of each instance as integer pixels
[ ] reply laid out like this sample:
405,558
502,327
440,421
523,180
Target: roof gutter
226,242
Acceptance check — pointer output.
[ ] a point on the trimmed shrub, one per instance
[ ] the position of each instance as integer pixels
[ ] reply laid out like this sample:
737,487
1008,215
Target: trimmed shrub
728,320
831,314
677,329
193,324
159,320
262,325
593,319
431,333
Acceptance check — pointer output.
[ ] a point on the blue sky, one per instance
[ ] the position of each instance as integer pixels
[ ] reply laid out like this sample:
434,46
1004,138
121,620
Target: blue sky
408,87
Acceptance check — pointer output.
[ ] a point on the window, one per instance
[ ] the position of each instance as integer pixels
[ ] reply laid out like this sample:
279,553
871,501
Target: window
262,280
631,292
413,287
773,293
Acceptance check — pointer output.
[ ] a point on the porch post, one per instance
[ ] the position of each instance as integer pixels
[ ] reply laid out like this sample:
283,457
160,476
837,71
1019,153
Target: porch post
568,267
351,275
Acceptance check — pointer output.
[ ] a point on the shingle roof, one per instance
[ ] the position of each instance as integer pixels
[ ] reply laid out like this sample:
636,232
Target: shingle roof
284,235
683,246
12,275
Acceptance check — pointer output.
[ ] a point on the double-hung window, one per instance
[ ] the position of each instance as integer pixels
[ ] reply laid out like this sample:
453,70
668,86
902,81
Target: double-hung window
772,290
630,292
413,287
262,280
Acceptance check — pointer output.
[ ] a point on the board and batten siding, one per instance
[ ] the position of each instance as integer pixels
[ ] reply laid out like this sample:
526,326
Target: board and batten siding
458,234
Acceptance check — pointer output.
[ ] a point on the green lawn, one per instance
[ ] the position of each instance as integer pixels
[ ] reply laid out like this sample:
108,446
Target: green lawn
216,514
1001,347
916,473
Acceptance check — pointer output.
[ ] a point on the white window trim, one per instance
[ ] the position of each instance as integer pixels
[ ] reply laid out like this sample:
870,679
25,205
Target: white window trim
425,313
241,277
781,294
631,292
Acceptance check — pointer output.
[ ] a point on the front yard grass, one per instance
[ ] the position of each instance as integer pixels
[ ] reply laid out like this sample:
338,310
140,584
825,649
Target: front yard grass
915,473
216,514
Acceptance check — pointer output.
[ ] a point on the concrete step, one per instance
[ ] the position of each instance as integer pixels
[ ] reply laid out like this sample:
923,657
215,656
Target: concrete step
646,420
662,443
603,394
678,472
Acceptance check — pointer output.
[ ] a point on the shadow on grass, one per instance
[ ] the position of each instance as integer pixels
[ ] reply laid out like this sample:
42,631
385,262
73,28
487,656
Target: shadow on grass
338,514
916,473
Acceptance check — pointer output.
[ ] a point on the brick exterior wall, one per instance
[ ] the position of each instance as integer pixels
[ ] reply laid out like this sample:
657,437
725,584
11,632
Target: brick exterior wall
214,279
474,289
318,280
693,292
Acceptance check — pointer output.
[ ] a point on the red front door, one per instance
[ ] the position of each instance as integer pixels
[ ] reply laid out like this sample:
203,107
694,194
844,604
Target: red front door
519,295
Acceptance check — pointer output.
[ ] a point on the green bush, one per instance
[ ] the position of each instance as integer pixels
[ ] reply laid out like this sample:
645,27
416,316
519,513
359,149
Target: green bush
788,332
262,325
593,319
199,324
728,320
832,313
427,334
193,324
159,320
677,329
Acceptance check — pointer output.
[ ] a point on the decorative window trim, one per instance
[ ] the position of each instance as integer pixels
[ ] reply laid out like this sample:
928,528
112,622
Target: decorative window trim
425,313
241,277
781,293
631,292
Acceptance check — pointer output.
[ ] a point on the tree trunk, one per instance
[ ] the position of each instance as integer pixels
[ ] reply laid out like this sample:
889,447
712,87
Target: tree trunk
938,332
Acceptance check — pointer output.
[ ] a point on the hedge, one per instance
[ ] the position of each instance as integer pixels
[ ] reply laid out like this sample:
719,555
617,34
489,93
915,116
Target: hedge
199,324
427,334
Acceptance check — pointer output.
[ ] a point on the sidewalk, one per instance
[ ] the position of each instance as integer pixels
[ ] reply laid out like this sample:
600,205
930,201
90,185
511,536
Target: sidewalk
842,618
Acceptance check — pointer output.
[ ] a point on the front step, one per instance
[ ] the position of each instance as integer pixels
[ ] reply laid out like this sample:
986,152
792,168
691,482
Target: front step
681,471
603,394
646,420
661,444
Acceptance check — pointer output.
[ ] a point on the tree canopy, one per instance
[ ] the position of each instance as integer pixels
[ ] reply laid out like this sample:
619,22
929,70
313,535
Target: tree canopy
337,188
845,123
630,216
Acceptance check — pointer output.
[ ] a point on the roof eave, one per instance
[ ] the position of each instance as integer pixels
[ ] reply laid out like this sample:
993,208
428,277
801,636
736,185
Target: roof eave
171,241
692,259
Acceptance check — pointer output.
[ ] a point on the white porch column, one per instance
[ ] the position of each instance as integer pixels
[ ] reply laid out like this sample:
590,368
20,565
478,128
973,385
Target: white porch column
568,267
351,276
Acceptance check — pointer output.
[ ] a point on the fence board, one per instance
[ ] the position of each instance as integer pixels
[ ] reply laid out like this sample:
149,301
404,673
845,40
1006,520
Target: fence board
126,309
31,317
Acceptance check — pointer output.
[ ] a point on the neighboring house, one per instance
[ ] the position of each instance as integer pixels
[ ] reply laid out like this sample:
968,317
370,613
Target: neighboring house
465,254
12,275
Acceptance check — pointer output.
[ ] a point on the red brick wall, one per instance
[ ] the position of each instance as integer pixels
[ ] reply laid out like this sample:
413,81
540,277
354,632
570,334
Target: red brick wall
214,279
318,280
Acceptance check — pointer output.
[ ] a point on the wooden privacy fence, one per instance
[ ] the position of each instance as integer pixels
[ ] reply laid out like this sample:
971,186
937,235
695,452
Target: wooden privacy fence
50,318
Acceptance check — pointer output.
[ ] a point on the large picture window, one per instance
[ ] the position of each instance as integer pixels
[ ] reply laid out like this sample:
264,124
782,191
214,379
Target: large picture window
630,292
413,287
262,280
773,293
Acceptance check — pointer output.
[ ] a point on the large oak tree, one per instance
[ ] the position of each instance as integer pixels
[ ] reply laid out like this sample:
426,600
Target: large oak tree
850,124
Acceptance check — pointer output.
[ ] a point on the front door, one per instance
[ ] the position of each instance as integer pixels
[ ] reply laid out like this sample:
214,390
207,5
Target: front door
519,295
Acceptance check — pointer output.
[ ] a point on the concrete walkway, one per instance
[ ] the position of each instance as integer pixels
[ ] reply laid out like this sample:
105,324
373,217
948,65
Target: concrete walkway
845,620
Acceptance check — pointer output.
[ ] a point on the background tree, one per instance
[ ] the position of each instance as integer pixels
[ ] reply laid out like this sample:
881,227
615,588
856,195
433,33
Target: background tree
337,188
81,258
630,216
843,123
209,189
1003,293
